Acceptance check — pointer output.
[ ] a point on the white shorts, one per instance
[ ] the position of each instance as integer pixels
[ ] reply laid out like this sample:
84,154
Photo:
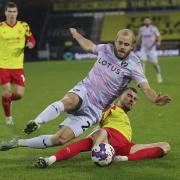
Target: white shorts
87,115
150,55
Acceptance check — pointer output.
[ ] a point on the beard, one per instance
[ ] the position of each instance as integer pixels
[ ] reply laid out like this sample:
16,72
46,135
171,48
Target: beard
122,52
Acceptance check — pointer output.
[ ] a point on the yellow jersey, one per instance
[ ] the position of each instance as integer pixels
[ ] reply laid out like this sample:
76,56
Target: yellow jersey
116,118
12,43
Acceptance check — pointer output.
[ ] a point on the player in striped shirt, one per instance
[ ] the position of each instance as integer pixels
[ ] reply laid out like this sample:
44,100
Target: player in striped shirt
14,36
115,129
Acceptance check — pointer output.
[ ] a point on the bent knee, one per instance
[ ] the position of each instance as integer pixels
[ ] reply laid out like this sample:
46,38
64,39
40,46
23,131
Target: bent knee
70,101
100,136
6,93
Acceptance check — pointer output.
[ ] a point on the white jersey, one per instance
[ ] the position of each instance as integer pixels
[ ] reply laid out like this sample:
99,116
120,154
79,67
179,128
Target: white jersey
110,75
104,83
148,36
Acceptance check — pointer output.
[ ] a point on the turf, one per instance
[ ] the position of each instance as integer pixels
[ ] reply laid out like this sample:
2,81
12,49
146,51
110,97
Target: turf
47,82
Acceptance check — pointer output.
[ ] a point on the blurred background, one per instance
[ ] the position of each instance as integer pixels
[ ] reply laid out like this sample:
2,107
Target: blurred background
99,20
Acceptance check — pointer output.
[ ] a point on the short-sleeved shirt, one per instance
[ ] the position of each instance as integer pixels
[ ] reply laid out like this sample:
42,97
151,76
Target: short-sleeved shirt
110,75
116,118
12,42
148,36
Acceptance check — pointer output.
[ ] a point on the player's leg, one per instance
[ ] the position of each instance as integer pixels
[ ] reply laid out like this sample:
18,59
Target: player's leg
71,150
5,82
6,103
63,135
100,136
147,151
70,102
71,128
8,97
67,152
18,92
143,57
16,77
18,81
154,60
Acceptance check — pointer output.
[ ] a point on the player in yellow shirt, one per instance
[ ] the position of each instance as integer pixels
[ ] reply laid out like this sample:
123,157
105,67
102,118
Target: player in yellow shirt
14,36
115,129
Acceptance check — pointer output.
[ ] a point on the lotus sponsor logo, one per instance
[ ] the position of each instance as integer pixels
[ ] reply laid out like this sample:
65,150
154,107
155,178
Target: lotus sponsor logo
111,66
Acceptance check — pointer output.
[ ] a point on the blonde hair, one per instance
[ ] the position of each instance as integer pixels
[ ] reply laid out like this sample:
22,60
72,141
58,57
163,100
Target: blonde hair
126,32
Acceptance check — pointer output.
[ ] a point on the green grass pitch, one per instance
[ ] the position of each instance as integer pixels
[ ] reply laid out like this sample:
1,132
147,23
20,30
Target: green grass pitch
47,82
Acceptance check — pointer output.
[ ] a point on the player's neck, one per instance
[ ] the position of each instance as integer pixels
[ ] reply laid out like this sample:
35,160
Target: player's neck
123,108
11,23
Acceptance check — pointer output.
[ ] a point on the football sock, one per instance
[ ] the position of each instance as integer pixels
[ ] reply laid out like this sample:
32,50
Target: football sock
50,113
147,153
6,103
120,158
51,160
15,97
43,141
158,70
73,149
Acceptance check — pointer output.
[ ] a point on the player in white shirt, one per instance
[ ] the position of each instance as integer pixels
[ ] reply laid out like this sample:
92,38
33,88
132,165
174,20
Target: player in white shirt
149,37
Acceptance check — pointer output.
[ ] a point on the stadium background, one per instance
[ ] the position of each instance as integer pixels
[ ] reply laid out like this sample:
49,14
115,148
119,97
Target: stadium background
98,20
48,80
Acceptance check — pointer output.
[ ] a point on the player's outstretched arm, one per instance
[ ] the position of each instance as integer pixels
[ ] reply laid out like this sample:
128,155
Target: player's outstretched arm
158,99
86,44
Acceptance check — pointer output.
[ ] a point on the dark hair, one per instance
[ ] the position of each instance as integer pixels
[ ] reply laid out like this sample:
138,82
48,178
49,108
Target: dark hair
131,88
11,5
147,17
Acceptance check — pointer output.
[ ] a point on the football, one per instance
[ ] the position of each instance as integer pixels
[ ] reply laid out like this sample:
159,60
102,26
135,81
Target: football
102,154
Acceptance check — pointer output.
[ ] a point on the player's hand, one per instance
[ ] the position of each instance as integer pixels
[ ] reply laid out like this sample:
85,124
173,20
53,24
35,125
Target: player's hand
29,44
162,100
73,32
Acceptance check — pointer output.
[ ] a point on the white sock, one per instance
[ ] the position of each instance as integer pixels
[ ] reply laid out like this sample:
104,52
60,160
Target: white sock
120,158
50,113
51,160
158,69
43,141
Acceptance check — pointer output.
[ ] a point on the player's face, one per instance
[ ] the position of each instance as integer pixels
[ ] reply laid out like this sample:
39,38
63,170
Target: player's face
147,21
11,15
123,46
128,99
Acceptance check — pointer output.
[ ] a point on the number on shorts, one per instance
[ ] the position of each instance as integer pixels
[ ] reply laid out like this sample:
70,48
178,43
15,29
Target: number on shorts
23,78
84,127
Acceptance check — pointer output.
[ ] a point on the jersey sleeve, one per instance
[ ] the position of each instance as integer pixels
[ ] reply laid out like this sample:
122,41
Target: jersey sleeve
98,48
27,29
156,31
137,74
28,34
